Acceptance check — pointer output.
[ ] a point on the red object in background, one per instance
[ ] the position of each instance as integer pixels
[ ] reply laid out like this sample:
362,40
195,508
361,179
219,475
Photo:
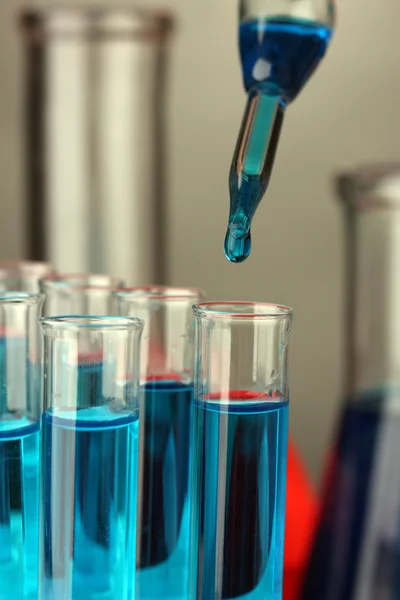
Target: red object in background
301,515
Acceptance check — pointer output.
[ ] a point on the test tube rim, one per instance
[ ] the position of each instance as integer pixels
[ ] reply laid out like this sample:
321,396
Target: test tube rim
26,267
18,297
359,187
154,24
88,322
168,293
52,281
265,310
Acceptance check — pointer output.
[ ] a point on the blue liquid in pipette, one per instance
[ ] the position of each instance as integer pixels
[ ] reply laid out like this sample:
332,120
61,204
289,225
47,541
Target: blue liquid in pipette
238,499
19,508
278,56
356,552
88,523
164,510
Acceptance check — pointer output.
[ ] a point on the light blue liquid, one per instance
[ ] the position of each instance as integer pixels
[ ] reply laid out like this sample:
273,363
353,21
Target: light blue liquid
19,507
88,505
238,499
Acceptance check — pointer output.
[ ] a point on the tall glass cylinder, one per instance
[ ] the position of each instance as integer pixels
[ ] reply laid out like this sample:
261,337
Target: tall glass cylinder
22,275
68,294
166,402
89,456
95,82
356,547
240,443
20,386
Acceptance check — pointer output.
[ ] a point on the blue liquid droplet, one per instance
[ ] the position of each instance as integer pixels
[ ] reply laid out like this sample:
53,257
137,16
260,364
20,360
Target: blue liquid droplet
237,242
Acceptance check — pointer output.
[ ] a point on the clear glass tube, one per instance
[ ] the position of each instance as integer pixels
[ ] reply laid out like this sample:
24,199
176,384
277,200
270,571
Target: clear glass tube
89,456
96,75
355,555
85,294
240,443
22,275
20,379
166,401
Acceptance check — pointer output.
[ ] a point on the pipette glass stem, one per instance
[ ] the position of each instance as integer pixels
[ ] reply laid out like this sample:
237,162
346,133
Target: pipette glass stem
251,168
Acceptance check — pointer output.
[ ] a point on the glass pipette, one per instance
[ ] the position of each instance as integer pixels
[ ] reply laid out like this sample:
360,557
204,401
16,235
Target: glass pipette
281,43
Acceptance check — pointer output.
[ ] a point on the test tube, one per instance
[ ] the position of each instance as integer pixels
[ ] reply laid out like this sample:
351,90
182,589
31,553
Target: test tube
83,294
95,76
20,378
240,443
87,536
166,405
22,275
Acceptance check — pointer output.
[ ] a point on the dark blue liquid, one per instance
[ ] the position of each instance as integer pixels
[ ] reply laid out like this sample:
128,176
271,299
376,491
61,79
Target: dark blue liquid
278,56
164,512
13,353
356,553
19,508
238,500
88,508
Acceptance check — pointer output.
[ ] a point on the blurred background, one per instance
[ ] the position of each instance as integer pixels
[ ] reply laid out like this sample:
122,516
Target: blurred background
346,115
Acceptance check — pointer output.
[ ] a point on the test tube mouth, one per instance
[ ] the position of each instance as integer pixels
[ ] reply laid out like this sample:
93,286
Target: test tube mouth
160,292
89,322
80,282
81,20
26,267
16,297
370,186
242,310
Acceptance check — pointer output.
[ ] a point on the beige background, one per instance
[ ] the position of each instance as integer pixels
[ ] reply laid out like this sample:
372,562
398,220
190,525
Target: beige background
349,113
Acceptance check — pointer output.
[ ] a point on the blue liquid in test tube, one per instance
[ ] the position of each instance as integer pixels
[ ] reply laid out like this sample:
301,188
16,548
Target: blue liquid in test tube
165,511
82,453
20,377
239,454
239,487
165,437
356,549
19,507
89,465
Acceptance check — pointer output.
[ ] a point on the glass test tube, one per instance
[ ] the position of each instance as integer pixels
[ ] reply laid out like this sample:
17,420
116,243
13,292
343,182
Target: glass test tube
22,275
95,84
240,442
20,384
88,495
166,401
355,554
82,294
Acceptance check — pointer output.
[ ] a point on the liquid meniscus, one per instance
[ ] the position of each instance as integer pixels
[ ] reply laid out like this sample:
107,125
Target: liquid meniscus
278,56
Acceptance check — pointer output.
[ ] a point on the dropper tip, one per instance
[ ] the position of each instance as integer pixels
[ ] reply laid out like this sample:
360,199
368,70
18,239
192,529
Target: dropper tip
237,245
